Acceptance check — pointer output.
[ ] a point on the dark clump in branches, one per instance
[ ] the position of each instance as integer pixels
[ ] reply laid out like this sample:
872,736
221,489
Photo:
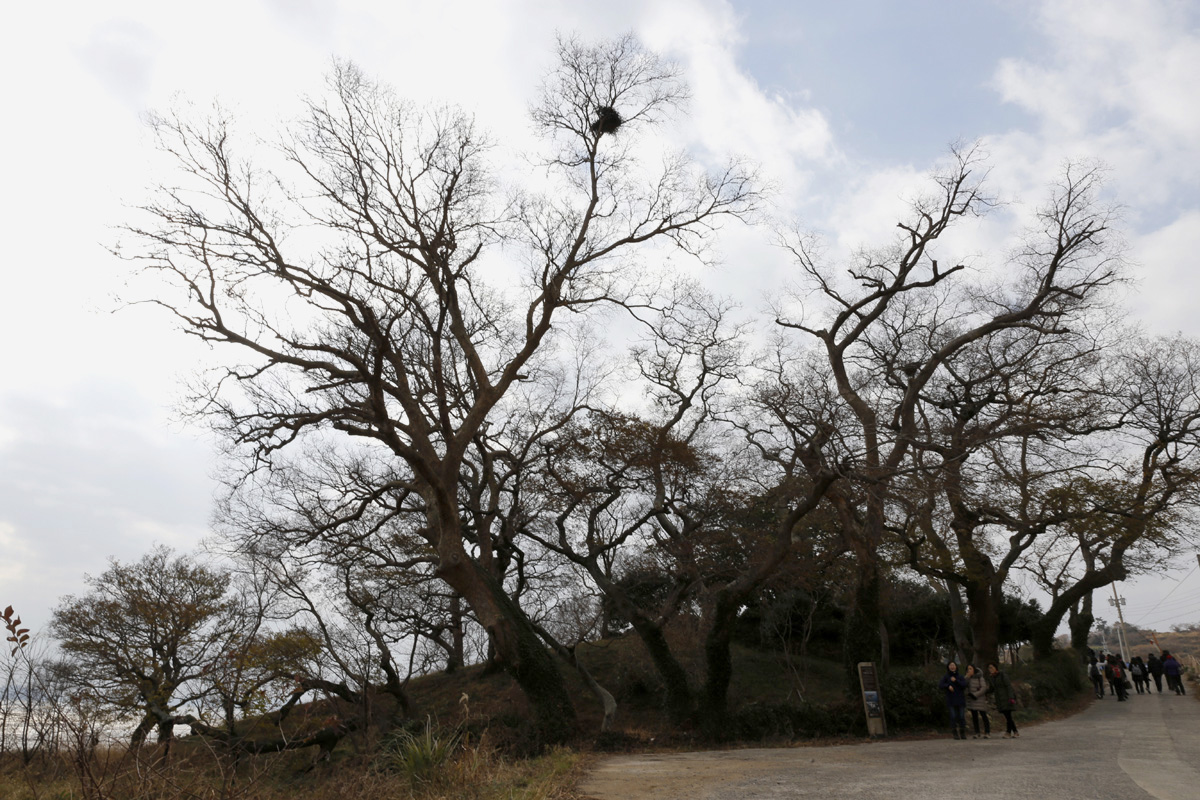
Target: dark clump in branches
607,121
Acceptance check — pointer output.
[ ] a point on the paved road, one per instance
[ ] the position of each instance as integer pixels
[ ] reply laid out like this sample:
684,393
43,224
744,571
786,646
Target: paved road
1148,747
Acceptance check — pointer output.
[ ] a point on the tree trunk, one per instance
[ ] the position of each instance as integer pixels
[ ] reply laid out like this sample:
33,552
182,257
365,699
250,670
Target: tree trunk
865,632
983,600
1043,630
1080,620
958,622
675,679
519,650
454,659
714,702
142,730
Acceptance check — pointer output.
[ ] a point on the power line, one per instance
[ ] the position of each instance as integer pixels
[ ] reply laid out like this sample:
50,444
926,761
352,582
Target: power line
1182,600
1160,602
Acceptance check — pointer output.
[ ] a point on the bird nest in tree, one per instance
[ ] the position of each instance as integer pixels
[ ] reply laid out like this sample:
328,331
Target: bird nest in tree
607,120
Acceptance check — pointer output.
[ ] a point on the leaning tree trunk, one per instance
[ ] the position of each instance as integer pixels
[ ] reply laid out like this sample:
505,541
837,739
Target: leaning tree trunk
142,730
680,703
675,678
519,650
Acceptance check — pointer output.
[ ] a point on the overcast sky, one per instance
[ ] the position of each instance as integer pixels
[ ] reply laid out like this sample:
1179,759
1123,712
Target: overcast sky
845,105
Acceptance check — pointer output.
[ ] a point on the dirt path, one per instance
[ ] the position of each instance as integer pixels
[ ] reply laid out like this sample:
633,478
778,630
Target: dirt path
1148,747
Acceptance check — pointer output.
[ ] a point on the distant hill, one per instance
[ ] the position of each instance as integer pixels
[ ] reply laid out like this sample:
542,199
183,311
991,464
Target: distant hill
1142,642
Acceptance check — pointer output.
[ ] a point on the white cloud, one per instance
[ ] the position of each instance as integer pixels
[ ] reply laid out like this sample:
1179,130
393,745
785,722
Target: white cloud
15,557
1170,284
1119,84
731,113
1115,82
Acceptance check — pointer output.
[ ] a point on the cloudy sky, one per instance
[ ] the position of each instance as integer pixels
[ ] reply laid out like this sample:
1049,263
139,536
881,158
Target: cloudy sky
845,105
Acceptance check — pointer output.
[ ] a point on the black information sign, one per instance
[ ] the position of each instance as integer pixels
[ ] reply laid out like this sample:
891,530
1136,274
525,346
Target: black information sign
866,673
868,679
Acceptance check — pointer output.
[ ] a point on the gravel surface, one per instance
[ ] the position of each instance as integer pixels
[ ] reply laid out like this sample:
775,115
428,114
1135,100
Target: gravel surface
1148,747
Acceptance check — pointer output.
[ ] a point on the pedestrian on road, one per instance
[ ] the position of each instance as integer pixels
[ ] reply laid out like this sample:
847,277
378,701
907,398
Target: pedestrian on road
1097,676
1137,671
1116,677
979,690
1006,699
1173,672
1156,671
954,686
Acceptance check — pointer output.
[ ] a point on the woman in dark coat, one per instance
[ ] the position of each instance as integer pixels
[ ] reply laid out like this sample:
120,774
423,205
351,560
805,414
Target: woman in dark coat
954,687
979,689
1006,699
1173,672
1156,672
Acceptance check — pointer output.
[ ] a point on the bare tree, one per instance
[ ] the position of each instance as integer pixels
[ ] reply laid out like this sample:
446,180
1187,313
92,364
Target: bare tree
1007,424
362,299
890,331
675,491
1137,510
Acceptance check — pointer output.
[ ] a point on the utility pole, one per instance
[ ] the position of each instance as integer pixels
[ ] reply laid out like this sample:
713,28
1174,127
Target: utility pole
1121,638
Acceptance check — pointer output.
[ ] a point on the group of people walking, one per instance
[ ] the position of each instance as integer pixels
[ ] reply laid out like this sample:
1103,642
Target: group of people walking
980,694
1113,671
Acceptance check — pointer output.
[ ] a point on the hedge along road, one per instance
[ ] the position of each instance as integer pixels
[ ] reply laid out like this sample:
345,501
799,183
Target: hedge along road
1148,747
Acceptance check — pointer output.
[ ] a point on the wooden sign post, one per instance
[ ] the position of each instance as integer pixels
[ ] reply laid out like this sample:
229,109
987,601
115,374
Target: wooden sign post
872,697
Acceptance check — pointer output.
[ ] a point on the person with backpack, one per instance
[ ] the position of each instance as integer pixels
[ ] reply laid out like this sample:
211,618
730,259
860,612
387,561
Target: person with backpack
978,689
954,688
1154,667
1006,699
1137,671
1173,672
1115,672
1097,677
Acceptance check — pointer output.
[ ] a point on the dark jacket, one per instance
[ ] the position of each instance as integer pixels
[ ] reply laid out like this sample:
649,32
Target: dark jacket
1171,666
1002,691
1154,665
954,687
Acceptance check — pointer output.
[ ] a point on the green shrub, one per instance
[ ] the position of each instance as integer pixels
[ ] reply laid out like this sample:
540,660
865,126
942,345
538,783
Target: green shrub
911,700
419,755
843,718
1059,677
757,721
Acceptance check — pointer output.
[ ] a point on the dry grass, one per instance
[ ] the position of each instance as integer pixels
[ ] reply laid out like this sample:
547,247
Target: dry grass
477,772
